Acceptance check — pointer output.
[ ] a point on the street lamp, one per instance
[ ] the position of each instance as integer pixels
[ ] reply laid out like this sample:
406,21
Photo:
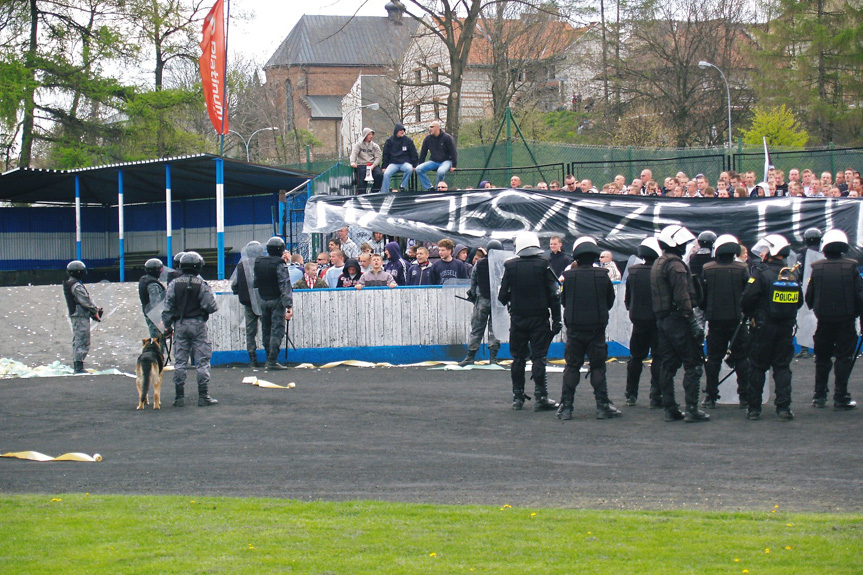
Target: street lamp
704,65
372,106
249,141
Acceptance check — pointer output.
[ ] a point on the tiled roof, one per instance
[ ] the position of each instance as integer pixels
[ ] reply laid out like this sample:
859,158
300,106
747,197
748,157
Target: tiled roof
344,41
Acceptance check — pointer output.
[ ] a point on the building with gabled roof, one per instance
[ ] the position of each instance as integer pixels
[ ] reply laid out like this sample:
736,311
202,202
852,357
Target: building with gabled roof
320,60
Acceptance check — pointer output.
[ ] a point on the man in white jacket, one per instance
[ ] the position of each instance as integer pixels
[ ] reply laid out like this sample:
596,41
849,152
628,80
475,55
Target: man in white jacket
365,152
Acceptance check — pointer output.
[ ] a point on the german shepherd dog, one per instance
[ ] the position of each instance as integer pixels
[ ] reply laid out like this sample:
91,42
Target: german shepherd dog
148,372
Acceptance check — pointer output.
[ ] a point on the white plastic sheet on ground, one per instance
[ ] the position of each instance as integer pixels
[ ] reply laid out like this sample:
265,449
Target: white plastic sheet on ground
11,368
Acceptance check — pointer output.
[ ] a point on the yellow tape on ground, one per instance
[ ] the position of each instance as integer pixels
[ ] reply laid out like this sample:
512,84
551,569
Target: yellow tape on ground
36,456
267,384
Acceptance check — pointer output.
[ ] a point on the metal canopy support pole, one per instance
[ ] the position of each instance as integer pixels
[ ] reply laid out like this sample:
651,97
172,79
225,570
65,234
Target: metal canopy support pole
168,224
220,216
77,218
120,224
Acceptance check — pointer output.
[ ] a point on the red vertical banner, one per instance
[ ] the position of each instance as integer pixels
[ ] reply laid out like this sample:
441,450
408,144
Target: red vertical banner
212,64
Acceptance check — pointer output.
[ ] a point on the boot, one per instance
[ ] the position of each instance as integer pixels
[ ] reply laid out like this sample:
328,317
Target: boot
469,358
78,367
565,411
784,413
518,401
606,410
204,398
272,364
492,356
179,401
673,414
844,403
695,415
544,404
253,360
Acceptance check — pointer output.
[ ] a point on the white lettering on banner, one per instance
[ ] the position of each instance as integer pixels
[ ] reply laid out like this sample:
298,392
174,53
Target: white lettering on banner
639,209
781,203
828,213
495,205
859,222
795,220
572,220
478,214
660,222
440,198
551,211
214,77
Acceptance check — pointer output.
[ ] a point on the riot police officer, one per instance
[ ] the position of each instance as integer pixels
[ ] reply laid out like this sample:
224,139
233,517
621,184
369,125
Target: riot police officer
645,338
81,309
587,295
772,298
723,282
274,286
151,292
189,301
680,335
176,272
835,293
706,239
242,282
480,295
530,291
812,241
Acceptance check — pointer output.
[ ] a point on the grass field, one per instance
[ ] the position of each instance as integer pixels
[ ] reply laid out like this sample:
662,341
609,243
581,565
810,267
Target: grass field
80,533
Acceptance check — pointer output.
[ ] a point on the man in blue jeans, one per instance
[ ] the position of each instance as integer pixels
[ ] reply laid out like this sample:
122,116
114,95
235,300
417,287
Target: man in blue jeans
399,155
443,156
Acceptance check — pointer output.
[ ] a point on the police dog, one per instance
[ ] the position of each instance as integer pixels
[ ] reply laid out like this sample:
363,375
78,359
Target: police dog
149,372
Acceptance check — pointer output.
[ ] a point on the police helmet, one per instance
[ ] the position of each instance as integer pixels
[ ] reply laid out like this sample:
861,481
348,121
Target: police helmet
812,237
649,249
76,269
527,244
834,241
493,245
773,244
585,245
191,262
153,267
726,244
275,246
706,239
674,236
177,258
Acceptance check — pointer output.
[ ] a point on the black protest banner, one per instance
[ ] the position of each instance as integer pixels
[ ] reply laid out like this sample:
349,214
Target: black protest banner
619,223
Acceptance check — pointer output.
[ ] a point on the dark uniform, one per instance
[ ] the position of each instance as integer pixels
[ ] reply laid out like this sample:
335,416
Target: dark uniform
698,260
835,293
587,295
81,309
530,290
673,292
274,286
645,336
480,294
188,304
773,303
723,283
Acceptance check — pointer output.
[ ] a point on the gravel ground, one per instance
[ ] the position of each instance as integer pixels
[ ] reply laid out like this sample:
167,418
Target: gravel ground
419,435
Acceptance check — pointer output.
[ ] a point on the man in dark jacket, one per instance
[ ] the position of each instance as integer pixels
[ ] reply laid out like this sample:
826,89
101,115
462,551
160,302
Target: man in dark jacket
530,291
558,260
274,287
681,337
587,295
835,293
644,340
443,156
396,265
419,274
723,281
400,155
772,298
480,295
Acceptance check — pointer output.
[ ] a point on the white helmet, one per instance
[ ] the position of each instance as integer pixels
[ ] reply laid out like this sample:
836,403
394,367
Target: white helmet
585,245
527,244
834,241
774,244
648,247
726,244
675,235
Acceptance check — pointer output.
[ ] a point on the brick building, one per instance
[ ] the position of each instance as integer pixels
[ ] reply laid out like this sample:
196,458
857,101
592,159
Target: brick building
322,58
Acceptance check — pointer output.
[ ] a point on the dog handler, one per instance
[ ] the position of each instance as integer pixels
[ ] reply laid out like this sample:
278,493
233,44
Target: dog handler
81,309
188,304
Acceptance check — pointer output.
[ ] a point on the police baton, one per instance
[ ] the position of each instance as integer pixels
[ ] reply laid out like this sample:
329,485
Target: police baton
856,353
288,339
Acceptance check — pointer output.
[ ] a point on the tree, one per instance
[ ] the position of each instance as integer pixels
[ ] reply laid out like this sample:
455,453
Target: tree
809,59
778,125
663,43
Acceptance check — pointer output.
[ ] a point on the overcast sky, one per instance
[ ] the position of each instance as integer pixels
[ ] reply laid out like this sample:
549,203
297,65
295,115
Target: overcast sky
261,25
